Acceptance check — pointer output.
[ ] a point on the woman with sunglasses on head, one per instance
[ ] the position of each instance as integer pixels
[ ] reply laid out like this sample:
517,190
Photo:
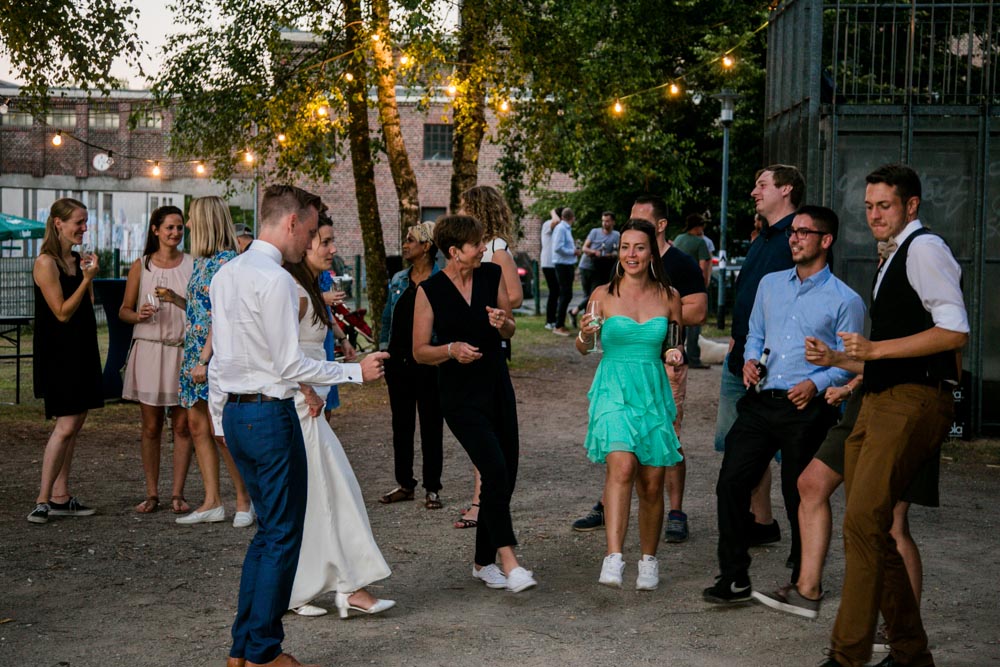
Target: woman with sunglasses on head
153,305
631,406
67,362
413,387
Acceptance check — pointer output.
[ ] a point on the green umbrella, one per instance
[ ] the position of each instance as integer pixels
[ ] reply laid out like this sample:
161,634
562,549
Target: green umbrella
13,228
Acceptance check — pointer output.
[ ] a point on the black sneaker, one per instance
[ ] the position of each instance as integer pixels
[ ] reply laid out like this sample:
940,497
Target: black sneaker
728,591
761,534
677,527
593,520
40,514
71,507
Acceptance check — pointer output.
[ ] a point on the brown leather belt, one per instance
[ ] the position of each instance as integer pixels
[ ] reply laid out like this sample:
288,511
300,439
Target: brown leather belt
251,398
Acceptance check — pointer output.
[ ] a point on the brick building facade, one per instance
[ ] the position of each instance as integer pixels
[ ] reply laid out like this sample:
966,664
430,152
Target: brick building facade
33,172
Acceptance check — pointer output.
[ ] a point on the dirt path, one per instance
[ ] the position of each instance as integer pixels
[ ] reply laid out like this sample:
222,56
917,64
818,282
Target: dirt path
123,589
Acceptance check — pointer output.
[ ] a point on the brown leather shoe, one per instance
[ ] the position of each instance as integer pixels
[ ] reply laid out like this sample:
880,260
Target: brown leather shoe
283,660
235,662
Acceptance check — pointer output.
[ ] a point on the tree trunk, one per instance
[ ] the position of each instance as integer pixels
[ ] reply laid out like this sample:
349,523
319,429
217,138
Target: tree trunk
364,166
399,161
470,103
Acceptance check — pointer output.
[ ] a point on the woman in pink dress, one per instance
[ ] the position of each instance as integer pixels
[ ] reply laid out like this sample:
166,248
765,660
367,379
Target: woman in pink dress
154,306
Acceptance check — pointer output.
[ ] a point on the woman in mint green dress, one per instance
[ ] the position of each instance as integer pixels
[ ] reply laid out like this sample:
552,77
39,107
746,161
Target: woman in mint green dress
631,406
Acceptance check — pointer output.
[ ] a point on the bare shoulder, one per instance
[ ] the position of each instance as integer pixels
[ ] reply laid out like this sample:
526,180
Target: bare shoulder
45,266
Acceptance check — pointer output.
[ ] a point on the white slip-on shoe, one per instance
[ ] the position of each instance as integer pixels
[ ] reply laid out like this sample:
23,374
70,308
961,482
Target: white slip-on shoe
214,515
244,519
519,580
649,574
491,575
612,570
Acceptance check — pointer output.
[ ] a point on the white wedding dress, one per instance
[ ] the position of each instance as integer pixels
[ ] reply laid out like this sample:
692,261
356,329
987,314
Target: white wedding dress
338,549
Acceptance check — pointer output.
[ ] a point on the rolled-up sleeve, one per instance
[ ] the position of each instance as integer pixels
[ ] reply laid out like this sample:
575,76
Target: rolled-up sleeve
937,279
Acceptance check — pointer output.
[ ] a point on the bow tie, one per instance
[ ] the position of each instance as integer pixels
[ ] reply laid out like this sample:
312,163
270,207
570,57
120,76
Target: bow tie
885,249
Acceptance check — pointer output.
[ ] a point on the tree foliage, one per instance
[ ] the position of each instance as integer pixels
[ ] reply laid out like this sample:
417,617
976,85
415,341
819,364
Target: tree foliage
70,43
577,57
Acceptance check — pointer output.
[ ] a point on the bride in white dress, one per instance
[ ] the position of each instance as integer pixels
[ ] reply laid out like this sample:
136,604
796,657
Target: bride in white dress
338,549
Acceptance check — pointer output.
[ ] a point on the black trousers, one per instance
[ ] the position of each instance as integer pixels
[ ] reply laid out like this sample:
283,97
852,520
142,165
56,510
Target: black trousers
413,388
552,304
765,423
486,427
565,274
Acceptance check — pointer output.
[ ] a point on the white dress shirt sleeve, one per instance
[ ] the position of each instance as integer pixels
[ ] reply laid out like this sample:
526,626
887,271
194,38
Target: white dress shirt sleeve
936,278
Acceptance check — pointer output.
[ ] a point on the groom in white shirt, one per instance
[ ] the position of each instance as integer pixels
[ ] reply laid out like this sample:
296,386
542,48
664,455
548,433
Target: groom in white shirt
255,371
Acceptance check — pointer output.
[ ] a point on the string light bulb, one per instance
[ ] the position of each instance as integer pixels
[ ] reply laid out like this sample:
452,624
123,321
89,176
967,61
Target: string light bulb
248,157
57,138
349,76
452,89
282,138
504,106
376,37
404,60
200,168
618,108
156,169
4,108
323,111
675,89
728,61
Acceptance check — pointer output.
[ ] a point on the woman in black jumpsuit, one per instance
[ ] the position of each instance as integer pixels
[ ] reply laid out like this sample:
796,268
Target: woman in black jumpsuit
467,308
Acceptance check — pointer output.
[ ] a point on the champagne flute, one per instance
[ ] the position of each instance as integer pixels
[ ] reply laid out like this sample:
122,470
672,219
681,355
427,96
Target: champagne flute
597,319
155,304
161,286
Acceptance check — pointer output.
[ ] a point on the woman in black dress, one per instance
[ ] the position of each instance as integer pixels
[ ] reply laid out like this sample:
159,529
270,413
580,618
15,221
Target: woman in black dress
67,363
467,308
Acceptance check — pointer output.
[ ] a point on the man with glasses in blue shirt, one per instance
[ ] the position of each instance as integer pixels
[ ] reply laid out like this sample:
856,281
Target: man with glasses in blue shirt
783,409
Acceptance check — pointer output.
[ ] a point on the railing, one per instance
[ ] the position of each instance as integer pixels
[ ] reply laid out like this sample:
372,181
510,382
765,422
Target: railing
934,53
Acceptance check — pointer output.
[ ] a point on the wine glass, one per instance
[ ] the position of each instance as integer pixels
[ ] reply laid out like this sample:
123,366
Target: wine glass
155,303
161,286
597,319
86,255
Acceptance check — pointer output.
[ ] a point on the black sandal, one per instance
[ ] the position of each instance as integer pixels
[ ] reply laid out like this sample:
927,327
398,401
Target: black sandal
396,495
467,523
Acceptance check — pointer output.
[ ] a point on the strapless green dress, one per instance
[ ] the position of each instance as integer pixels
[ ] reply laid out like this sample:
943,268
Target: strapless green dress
631,406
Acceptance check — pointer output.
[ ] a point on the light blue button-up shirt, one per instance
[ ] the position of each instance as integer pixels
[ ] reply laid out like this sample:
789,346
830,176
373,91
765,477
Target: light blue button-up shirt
787,310
563,247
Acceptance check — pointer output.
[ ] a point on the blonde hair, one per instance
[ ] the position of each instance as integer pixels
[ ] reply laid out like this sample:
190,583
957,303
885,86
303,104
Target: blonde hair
62,209
211,225
489,207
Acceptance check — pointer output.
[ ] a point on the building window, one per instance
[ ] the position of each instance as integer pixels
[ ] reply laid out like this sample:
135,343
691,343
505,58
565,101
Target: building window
437,141
17,119
431,213
149,120
63,120
103,120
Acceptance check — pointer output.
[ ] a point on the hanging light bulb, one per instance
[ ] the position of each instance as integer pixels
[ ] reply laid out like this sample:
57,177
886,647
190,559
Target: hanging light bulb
618,108
728,61
156,169
404,60
4,108
376,37
452,89
505,106
675,89
57,138
282,138
349,76
200,168
111,159
323,111
248,157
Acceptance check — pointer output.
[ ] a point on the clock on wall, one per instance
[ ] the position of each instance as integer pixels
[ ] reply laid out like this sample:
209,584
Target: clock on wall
102,162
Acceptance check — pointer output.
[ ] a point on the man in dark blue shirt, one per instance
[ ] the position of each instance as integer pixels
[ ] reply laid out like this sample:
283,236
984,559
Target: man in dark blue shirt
778,191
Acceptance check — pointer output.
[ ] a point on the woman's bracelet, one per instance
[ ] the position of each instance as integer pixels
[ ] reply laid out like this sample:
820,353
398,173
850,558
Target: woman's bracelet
579,337
449,351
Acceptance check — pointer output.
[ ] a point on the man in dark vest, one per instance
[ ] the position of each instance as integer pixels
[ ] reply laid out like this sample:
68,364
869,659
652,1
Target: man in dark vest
918,322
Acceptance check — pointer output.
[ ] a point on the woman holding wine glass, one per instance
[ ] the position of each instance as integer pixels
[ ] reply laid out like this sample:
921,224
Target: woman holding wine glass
631,406
153,305
67,368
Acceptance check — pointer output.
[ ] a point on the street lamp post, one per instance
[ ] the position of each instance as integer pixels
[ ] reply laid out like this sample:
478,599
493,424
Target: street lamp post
728,99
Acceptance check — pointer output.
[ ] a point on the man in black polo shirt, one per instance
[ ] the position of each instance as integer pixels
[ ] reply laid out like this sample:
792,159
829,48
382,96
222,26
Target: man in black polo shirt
777,193
686,278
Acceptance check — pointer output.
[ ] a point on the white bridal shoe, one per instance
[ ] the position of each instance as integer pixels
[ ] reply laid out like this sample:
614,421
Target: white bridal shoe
309,610
343,606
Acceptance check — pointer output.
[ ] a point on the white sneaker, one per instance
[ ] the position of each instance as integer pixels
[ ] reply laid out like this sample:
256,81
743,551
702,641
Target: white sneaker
649,574
491,575
519,580
612,570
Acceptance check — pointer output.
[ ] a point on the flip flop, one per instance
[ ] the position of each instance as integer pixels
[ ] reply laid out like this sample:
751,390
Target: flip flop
149,505
179,505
